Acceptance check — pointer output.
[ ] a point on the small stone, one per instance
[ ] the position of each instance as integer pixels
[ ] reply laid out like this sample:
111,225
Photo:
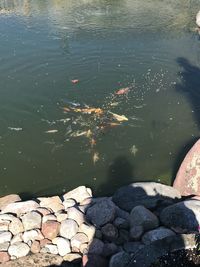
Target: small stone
17,238
53,249
44,242
98,234
78,239
4,246
133,247
120,259
122,214
86,201
31,220
141,216
68,228
123,237
50,229
4,226
61,216
4,201
83,208
35,247
63,245
54,203
32,235
5,237
4,257
109,249
89,230
79,194
101,213
156,234
136,232
92,260
44,211
49,217
20,207
96,247
68,203
76,215
19,249
6,217
72,257
121,223
84,248
109,232
16,226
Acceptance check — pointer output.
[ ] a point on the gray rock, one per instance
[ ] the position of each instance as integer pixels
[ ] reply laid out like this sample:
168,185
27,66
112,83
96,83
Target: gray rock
133,247
121,259
96,247
110,249
156,234
148,194
68,228
101,213
140,216
110,232
76,215
63,245
185,215
5,237
20,207
121,223
19,249
79,194
31,220
136,232
123,237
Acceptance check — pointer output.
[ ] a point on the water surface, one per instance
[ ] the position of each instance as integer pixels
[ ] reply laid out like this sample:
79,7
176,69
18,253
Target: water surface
148,46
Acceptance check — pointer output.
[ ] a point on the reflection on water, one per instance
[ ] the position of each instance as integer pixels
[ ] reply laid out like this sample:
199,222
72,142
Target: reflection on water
107,46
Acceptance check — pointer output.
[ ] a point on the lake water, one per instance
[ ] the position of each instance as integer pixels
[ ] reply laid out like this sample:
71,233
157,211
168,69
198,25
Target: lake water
149,47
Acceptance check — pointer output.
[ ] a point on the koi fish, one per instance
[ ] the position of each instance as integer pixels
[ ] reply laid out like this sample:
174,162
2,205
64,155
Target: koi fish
52,131
92,142
89,110
95,157
134,150
14,129
119,117
78,134
122,91
74,81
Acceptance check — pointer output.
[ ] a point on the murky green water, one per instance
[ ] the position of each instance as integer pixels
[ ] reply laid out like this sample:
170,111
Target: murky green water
148,46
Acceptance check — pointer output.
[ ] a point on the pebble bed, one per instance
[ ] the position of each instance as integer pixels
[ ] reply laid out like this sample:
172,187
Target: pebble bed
79,227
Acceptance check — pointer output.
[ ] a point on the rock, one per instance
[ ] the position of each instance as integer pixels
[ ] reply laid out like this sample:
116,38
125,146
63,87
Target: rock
120,259
84,248
185,215
123,237
17,238
53,249
20,207
5,237
148,194
87,201
4,226
188,177
4,201
4,257
44,211
72,257
4,246
136,232
198,19
44,242
18,249
77,240
48,217
32,235
7,217
53,203
50,229
98,234
156,234
79,194
109,249
101,213
76,215
83,208
109,232
133,247
16,226
96,247
31,220
35,247
68,203
68,228
122,214
140,216
89,230
61,216
63,245
91,260
121,223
